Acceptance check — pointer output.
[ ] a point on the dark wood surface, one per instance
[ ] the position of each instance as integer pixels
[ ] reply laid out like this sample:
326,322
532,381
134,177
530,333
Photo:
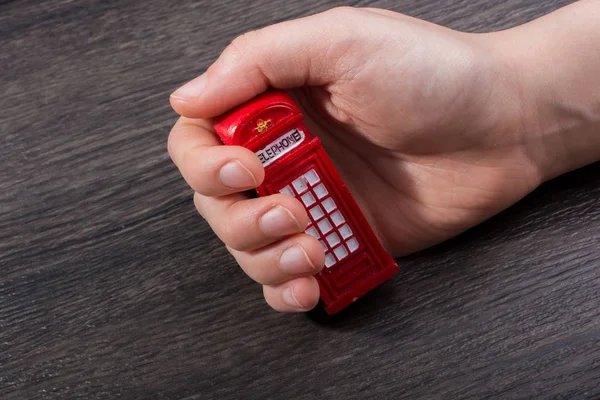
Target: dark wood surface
112,287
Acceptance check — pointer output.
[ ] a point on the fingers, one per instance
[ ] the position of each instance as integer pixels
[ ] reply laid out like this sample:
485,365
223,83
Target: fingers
298,295
208,167
296,256
263,234
306,51
249,224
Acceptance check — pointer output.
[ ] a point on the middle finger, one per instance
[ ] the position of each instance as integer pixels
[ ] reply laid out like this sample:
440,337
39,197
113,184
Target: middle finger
249,224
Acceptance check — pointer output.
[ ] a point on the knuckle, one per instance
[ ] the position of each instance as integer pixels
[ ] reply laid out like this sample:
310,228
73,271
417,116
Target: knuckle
192,166
258,273
243,41
189,155
246,50
198,204
170,146
241,46
342,11
171,142
229,233
261,277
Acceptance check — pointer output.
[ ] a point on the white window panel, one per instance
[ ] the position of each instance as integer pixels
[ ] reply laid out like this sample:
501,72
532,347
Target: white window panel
329,260
333,239
317,213
308,199
324,226
312,177
287,190
328,204
345,231
320,191
340,252
300,185
323,244
312,231
352,244
337,218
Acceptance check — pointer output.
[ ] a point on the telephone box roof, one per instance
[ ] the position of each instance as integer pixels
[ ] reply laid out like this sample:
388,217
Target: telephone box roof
262,114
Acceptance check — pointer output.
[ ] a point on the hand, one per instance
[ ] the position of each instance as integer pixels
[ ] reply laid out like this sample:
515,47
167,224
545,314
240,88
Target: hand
425,125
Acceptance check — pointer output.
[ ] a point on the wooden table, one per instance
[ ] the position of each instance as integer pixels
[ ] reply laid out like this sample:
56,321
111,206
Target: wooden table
111,286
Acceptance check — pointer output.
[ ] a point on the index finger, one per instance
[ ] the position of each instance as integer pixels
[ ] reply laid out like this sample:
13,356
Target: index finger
210,168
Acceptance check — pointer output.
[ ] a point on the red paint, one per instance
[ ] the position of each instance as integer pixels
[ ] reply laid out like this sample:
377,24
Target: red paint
295,162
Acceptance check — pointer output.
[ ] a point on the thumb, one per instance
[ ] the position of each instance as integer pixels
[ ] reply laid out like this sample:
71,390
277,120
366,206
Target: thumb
301,52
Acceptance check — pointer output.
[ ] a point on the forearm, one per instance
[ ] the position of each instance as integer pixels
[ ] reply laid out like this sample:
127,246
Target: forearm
557,63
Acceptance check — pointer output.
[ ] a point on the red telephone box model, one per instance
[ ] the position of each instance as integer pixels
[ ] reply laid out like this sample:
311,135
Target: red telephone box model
296,164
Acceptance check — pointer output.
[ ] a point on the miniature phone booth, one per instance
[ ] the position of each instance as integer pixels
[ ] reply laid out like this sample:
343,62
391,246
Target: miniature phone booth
296,164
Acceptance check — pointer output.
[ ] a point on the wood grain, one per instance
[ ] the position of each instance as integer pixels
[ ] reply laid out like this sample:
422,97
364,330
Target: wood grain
112,287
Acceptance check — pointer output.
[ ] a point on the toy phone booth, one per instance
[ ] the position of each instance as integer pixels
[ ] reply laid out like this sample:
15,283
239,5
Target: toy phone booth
296,164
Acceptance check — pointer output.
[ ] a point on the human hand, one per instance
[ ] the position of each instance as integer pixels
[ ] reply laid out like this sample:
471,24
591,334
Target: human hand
425,125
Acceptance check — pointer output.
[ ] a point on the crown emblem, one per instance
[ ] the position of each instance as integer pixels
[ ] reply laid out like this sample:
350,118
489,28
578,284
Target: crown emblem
262,126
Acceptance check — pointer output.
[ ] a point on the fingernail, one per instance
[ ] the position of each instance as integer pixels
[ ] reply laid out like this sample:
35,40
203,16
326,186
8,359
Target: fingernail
191,90
235,175
290,299
295,261
279,221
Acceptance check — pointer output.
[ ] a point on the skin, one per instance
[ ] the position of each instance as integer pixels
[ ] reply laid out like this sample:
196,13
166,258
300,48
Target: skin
449,128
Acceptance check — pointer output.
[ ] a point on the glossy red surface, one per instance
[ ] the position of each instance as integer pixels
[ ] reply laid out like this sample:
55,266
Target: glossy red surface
296,164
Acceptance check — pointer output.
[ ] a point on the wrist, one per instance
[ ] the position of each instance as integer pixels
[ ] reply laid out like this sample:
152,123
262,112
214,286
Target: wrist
561,114
555,80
